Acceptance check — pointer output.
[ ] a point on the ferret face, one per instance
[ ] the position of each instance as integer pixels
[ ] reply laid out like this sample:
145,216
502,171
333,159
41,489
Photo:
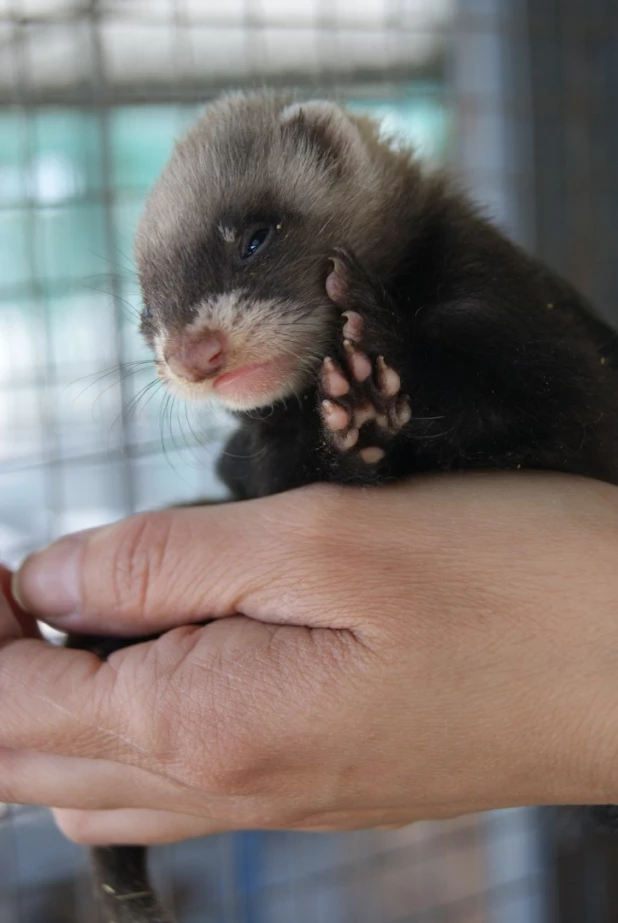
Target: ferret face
233,248
251,335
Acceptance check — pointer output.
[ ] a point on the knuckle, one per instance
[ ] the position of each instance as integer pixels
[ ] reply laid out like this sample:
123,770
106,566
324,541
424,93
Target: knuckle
137,562
246,769
234,776
231,753
236,754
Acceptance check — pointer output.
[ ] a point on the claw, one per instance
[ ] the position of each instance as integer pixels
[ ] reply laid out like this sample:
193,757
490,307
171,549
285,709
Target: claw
403,413
359,363
357,379
353,327
389,381
335,416
336,282
333,380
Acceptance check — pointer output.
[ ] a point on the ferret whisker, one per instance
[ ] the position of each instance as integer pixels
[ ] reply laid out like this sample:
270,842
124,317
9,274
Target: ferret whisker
123,373
165,410
166,399
180,442
197,439
103,284
271,410
189,445
130,268
171,409
260,452
296,395
422,437
130,310
129,367
127,411
153,393
104,391
131,406
202,437
254,414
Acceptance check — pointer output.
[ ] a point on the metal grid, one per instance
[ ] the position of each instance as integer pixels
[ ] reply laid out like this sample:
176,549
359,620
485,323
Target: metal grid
81,443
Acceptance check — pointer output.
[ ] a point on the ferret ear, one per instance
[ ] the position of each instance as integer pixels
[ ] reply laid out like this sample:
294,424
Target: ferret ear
327,128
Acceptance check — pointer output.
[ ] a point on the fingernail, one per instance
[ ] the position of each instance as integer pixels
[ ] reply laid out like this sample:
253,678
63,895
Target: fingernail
48,583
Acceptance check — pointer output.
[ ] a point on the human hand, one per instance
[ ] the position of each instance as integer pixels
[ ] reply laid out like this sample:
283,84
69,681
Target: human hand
14,622
377,656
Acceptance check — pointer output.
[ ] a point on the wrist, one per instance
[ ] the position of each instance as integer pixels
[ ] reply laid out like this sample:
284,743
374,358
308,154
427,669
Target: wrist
526,607
569,669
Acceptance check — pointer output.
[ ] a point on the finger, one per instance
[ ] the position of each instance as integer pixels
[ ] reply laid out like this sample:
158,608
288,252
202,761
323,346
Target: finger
161,705
126,827
101,788
150,828
33,778
69,702
9,623
154,571
27,624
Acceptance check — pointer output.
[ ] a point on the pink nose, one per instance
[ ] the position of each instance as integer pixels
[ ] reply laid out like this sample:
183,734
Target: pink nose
196,358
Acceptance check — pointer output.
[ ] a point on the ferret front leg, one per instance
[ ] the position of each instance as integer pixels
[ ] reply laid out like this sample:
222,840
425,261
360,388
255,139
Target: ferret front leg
362,407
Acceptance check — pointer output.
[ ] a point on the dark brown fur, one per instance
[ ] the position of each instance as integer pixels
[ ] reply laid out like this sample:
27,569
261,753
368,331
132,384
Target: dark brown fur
505,364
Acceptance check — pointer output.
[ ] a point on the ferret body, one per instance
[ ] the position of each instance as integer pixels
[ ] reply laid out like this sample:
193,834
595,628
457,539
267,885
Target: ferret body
362,320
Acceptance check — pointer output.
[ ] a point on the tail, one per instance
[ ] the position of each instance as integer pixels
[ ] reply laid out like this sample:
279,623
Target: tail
123,887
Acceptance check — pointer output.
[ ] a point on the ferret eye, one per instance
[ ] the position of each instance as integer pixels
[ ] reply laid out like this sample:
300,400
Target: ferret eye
147,313
254,240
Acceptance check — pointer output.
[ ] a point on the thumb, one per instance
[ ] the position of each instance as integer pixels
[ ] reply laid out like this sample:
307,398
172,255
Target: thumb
157,570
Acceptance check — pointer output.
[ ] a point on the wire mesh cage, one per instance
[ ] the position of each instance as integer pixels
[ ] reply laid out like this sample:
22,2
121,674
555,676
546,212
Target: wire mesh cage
518,97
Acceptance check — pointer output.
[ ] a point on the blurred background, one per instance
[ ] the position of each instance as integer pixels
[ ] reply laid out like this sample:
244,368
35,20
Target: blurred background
520,98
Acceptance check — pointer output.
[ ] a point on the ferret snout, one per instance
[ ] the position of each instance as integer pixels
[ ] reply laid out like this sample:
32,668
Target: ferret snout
197,357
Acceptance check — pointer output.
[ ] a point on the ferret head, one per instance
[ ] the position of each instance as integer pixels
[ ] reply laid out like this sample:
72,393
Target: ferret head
233,246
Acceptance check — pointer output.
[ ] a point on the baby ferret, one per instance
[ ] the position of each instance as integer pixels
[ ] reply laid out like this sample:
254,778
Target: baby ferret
361,319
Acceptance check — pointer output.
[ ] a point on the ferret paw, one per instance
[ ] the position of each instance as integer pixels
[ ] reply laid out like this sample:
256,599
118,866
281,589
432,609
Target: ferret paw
362,406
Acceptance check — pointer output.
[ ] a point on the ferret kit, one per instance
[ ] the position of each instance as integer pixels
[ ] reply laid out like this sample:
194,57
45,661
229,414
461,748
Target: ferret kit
361,319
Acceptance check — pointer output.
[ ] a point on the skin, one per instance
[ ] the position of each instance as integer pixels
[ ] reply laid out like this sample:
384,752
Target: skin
378,656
